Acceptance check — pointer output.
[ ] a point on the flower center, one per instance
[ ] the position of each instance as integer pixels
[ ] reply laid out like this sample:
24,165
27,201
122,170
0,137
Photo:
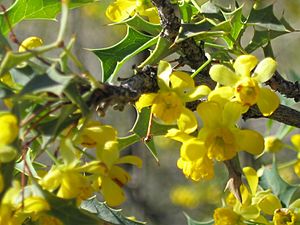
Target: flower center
247,91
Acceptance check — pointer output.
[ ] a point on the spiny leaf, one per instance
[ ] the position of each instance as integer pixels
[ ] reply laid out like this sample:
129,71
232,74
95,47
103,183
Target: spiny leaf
265,18
109,215
138,23
112,58
34,9
272,180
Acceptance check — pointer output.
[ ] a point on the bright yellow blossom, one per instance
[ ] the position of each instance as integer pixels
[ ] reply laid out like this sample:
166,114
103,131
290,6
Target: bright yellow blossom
284,216
226,216
273,144
247,88
122,9
8,128
185,196
221,136
168,105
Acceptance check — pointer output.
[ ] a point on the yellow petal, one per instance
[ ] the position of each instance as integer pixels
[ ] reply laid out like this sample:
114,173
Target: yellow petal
244,64
119,175
267,101
145,100
130,159
178,135
8,128
192,94
192,150
210,114
269,204
221,95
295,139
232,113
187,121
250,141
113,193
120,10
181,80
265,70
223,75
164,72
252,178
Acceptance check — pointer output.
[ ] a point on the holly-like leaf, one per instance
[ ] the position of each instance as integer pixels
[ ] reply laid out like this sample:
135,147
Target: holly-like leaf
52,81
195,222
202,30
140,128
128,140
266,19
262,38
107,214
34,9
112,58
140,24
272,180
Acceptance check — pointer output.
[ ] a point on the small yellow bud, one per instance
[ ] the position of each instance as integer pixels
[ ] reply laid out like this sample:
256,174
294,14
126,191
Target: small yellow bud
273,144
30,43
8,128
225,216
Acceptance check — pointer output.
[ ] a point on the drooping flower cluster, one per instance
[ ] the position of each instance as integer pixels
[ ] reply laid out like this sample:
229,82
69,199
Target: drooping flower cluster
72,179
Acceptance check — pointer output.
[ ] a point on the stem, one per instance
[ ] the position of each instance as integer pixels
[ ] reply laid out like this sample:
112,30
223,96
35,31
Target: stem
202,66
196,5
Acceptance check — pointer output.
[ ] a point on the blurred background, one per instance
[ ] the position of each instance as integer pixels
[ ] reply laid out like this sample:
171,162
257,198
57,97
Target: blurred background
159,193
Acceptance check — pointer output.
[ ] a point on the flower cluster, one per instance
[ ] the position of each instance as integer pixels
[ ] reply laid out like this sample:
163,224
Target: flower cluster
256,207
219,137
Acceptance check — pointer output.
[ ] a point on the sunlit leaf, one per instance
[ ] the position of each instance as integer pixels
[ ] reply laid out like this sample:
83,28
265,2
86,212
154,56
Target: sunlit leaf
112,58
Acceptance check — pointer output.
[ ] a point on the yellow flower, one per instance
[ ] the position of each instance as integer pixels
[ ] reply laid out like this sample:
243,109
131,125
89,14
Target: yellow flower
8,128
122,9
185,196
30,43
176,88
226,216
221,136
273,144
284,216
246,88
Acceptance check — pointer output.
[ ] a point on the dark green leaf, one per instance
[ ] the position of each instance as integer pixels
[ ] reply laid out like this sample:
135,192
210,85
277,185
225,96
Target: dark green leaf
203,30
138,23
53,82
127,141
194,222
140,128
265,18
102,211
271,180
68,212
5,91
262,38
112,58
33,9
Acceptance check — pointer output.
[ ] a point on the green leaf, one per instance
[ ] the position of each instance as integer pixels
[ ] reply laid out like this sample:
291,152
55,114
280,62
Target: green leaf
5,91
112,58
138,23
109,215
194,222
68,212
271,180
34,9
53,82
203,30
237,25
265,18
140,128
29,166
262,38
128,140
